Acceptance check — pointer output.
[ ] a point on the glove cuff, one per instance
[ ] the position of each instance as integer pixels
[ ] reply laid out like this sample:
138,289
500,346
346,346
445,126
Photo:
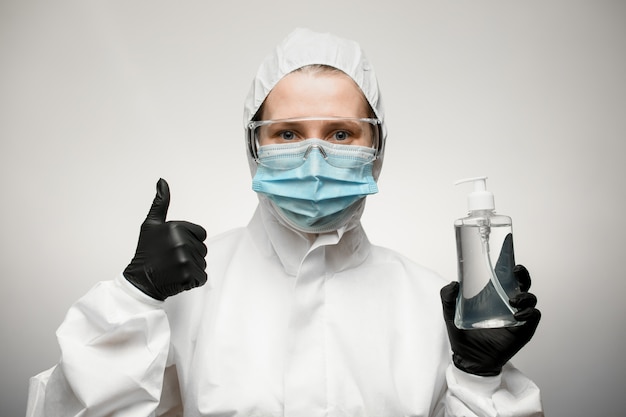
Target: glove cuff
474,368
132,290
145,285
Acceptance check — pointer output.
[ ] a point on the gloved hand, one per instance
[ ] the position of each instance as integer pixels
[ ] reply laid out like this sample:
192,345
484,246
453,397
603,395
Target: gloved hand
170,255
484,351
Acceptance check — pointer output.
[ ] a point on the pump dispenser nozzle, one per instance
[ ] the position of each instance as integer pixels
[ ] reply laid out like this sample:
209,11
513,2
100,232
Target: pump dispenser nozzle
480,198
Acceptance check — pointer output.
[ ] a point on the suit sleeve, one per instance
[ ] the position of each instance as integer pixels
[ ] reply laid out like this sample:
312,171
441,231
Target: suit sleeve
509,394
114,353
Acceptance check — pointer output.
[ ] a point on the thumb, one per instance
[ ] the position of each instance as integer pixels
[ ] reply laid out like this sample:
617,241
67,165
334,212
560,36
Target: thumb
448,295
160,204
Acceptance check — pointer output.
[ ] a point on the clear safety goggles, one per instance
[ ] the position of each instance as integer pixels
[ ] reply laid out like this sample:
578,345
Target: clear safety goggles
344,131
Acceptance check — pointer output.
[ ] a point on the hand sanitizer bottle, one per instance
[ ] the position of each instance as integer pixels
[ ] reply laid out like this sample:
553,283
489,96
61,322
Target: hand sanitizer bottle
484,242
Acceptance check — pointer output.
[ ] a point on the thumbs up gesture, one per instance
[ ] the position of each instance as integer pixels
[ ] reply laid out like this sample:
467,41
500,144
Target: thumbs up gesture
170,254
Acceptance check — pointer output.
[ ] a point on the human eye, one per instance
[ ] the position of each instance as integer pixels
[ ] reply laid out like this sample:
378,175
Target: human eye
282,132
345,131
341,135
287,135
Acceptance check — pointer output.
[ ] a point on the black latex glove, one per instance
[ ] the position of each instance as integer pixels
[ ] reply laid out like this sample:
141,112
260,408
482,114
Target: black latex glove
170,255
484,351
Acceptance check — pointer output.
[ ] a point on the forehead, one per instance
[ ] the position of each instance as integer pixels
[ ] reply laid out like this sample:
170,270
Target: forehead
323,94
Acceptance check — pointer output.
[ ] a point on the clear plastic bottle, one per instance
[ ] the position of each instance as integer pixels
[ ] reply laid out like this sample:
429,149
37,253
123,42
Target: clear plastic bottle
484,242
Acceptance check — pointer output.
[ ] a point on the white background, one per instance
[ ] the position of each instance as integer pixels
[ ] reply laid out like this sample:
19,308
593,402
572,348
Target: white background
100,99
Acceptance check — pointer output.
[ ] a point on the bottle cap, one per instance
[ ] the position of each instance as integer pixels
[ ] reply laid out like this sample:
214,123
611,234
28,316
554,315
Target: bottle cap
480,198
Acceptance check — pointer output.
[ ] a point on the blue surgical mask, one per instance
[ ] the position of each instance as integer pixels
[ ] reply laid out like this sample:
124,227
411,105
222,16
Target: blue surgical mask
314,183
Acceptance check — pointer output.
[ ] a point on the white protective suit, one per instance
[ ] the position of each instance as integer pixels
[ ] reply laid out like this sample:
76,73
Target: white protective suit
288,324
